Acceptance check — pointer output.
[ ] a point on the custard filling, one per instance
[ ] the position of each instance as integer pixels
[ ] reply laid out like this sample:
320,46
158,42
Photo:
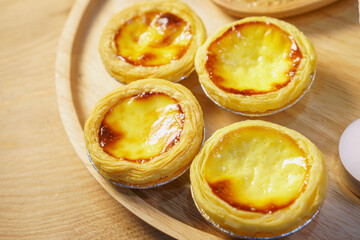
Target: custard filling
141,127
253,58
257,169
153,39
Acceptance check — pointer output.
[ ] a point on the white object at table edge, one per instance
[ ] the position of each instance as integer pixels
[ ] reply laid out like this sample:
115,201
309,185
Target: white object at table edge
349,149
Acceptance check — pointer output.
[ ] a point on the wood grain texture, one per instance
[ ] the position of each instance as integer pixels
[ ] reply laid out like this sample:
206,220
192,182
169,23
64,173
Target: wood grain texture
321,115
45,191
282,10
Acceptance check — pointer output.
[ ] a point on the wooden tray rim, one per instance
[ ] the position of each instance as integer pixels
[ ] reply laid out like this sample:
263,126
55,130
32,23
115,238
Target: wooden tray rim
68,113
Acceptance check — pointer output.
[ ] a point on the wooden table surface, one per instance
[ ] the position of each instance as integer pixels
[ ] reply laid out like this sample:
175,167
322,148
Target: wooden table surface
45,190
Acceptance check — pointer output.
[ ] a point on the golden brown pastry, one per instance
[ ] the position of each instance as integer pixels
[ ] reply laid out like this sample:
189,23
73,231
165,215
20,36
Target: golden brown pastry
256,65
145,133
258,179
152,39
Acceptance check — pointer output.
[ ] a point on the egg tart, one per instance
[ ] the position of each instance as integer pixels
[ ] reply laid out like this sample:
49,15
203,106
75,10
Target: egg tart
144,134
257,65
258,179
152,39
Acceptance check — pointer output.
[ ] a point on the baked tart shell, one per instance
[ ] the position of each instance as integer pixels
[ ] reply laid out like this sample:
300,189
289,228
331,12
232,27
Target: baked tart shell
256,66
152,39
135,138
270,197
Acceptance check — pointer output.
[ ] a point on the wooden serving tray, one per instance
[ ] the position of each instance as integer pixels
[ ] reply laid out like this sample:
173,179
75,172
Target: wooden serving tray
322,115
288,8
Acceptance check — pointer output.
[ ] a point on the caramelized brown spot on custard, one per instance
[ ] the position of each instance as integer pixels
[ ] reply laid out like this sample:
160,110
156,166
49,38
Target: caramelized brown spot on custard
107,136
294,56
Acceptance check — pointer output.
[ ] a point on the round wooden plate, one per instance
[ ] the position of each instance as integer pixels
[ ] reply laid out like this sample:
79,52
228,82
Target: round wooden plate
321,115
285,8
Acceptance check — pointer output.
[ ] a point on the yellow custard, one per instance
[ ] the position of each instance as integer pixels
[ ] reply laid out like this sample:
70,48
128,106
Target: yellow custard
153,39
253,58
257,169
141,127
